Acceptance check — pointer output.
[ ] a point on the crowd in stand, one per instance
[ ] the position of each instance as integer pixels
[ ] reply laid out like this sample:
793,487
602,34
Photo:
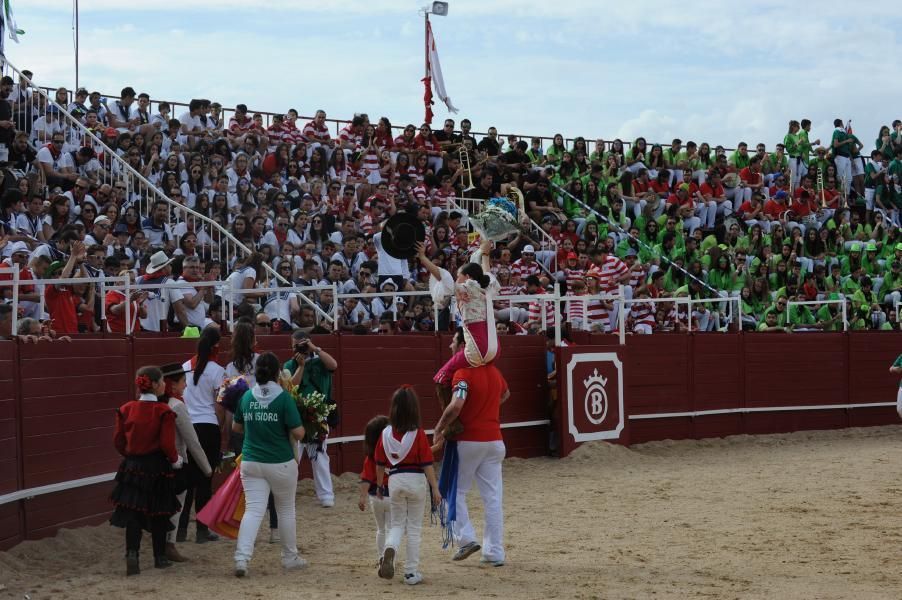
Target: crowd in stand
744,233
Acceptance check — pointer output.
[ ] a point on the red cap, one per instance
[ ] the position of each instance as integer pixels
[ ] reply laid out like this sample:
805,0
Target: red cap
110,131
572,256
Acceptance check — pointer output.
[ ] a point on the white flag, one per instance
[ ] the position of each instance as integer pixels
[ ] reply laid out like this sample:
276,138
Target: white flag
435,70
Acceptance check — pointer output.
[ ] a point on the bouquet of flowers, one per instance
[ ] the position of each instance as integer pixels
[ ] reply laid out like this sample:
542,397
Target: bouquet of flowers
500,217
231,391
315,411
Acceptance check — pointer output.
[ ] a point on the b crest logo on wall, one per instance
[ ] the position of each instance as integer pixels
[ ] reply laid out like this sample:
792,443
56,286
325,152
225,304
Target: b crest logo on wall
595,396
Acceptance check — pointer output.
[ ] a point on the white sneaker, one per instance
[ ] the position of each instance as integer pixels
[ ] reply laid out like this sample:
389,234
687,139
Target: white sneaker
274,537
466,550
494,563
295,563
413,578
240,568
327,503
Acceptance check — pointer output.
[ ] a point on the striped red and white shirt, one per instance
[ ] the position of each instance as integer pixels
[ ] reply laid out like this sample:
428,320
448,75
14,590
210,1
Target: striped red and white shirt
574,275
430,145
441,198
524,270
534,314
611,269
402,144
313,133
597,317
348,136
637,276
239,127
643,313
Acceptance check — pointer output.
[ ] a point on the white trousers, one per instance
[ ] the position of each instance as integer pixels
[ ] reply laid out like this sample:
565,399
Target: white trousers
259,479
481,461
844,172
899,401
322,476
409,493
382,514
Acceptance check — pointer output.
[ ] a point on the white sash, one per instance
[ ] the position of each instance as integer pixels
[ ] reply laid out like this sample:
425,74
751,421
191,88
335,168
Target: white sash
397,451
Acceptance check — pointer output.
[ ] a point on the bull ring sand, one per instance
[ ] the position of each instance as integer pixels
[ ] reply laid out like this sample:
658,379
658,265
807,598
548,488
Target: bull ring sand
803,515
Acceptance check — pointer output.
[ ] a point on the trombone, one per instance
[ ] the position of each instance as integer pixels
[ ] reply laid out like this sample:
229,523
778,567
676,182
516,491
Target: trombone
464,157
820,187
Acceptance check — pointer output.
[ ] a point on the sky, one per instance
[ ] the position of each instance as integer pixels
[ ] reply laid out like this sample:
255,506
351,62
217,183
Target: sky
704,70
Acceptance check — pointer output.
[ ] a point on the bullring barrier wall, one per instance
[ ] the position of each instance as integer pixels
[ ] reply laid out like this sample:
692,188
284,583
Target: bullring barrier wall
57,399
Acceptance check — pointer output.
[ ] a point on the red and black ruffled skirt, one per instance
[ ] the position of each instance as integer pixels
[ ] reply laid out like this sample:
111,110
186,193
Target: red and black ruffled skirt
145,490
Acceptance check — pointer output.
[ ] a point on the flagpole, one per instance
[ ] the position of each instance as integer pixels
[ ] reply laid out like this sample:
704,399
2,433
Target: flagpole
76,44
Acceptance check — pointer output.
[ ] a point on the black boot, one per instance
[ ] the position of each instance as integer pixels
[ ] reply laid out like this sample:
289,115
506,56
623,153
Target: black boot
161,562
131,563
181,535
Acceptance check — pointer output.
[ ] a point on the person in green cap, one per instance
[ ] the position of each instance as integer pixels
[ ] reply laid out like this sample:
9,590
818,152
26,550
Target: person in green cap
896,369
830,314
865,301
872,267
853,261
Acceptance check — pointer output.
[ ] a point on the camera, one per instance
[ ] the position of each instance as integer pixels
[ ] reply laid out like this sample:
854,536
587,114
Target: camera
302,347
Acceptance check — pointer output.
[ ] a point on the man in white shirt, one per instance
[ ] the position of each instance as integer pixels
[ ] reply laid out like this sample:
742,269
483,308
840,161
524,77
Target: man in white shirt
156,228
50,159
123,112
158,299
43,129
190,304
192,125
100,233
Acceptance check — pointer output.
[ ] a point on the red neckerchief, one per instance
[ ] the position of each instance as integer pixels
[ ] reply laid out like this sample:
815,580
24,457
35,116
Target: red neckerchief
54,152
191,278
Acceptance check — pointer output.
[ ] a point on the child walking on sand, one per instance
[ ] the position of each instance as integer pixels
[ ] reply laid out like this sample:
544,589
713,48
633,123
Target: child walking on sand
381,506
145,482
404,450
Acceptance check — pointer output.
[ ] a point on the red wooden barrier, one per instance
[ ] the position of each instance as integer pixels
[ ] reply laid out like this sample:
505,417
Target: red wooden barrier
57,400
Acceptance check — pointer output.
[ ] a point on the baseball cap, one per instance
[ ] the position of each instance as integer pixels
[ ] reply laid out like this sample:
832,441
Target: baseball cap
632,252
780,195
120,229
572,256
833,296
899,247
871,247
102,219
528,249
684,187
855,248
110,131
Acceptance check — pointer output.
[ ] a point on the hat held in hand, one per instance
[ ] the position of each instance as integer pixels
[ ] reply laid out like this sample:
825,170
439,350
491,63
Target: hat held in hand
401,233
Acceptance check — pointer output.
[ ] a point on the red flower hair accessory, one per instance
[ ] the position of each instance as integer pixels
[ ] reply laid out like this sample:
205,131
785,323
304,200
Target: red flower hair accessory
144,383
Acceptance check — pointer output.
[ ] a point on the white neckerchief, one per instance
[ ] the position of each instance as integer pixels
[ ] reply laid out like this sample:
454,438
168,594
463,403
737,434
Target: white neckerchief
397,451
147,398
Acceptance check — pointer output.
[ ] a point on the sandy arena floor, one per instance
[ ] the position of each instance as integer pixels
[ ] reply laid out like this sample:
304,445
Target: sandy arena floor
806,515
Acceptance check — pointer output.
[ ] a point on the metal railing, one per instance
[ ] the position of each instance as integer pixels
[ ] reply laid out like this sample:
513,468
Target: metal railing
133,189
338,124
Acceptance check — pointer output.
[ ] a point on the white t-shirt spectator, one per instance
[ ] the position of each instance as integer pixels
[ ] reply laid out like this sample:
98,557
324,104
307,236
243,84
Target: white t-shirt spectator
236,283
89,169
157,236
201,398
42,131
46,157
122,113
191,123
388,264
157,305
197,316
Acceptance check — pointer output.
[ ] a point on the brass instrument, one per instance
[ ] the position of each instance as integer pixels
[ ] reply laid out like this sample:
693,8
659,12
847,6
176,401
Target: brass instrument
464,156
820,187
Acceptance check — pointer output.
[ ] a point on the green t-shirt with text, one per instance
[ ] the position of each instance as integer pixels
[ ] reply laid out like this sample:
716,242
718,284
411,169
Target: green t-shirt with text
266,438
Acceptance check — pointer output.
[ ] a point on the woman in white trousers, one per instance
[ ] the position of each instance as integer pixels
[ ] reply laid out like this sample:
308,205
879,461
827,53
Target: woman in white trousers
270,422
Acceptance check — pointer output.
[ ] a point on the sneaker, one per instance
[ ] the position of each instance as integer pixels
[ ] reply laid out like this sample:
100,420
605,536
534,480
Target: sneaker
327,503
274,537
295,563
466,550
387,565
494,563
240,568
413,578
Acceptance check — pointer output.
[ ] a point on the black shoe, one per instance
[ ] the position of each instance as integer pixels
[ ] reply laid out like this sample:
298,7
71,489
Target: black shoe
181,535
131,563
161,562
206,536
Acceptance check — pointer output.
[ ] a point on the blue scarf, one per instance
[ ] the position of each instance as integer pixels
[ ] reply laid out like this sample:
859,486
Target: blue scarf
447,486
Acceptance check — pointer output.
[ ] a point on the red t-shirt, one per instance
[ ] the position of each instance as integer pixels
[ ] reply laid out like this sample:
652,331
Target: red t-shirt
25,274
710,192
61,303
144,427
368,475
420,454
116,323
480,415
